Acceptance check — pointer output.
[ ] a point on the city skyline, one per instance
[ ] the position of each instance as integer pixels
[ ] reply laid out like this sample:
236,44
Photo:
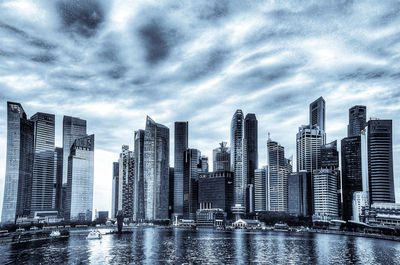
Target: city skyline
204,85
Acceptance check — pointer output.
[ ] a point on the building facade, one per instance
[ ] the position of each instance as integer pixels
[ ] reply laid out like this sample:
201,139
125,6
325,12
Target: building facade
126,182
181,141
43,192
19,164
325,195
191,170
357,120
380,161
156,170
237,133
317,114
277,177
139,205
300,201
260,189
222,158
79,200
115,190
250,156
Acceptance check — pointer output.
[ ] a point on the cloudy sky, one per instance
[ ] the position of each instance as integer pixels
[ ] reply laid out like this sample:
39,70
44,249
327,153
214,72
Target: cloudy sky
114,62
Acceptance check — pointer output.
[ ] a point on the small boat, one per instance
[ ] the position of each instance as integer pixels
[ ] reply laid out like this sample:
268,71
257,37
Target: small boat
55,233
94,234
281,227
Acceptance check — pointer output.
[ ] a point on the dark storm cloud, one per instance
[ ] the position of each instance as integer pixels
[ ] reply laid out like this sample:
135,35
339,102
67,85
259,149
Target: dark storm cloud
84,17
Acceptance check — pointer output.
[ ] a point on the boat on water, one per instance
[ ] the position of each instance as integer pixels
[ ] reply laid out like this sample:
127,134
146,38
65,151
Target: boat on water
55,233
94,234
281,227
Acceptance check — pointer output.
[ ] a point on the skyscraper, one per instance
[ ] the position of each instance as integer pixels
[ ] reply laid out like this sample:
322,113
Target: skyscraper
308,148
43,193
222,158
73,128
325,195
191,169
357,120
250,156
139,206
277,177
240,182
300,194
204,164
317,114
115,190
260,189
19,164
380,161
58,167
126,174
156,170
180,146
79,199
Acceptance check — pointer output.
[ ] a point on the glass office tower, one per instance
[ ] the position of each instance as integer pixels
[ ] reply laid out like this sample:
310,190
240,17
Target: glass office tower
180,146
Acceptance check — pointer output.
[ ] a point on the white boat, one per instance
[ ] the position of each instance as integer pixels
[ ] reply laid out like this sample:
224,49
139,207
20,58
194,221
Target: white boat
94,234
55,233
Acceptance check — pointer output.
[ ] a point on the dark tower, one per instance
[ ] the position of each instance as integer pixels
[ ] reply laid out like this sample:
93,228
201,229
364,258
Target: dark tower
250,148
357,120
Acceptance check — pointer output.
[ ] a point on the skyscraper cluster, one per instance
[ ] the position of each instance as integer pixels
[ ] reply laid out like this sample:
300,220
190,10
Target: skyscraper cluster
44,179
145,188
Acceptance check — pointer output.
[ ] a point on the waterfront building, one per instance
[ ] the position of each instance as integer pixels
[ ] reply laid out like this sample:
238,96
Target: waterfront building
19,164
211,218
380,161
360,200
325,195
240,183
171,193
58,170
79,199
277,177
261,189
156,170
138,203
115,190
102,216
222,158
73,128
191,168
300,202
43,197
126,181
216,190
250,156
181,141
382,213
357,120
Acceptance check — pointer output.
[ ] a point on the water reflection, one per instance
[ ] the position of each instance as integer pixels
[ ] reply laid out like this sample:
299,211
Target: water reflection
152,245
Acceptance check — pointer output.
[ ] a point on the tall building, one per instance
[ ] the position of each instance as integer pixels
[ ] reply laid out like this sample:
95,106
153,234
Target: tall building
171,193
139,205
216,191
126,181
58,170
380,161
317,114
240,182
19,164
222,158
73,128
79,199
300,194
191,169
277,177
325,195
357,120
115,190
308,148
156,170
181,140
250,156
43,193
351,172
260,189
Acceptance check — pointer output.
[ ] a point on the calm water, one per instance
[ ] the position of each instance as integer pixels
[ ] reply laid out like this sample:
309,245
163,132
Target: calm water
154,245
